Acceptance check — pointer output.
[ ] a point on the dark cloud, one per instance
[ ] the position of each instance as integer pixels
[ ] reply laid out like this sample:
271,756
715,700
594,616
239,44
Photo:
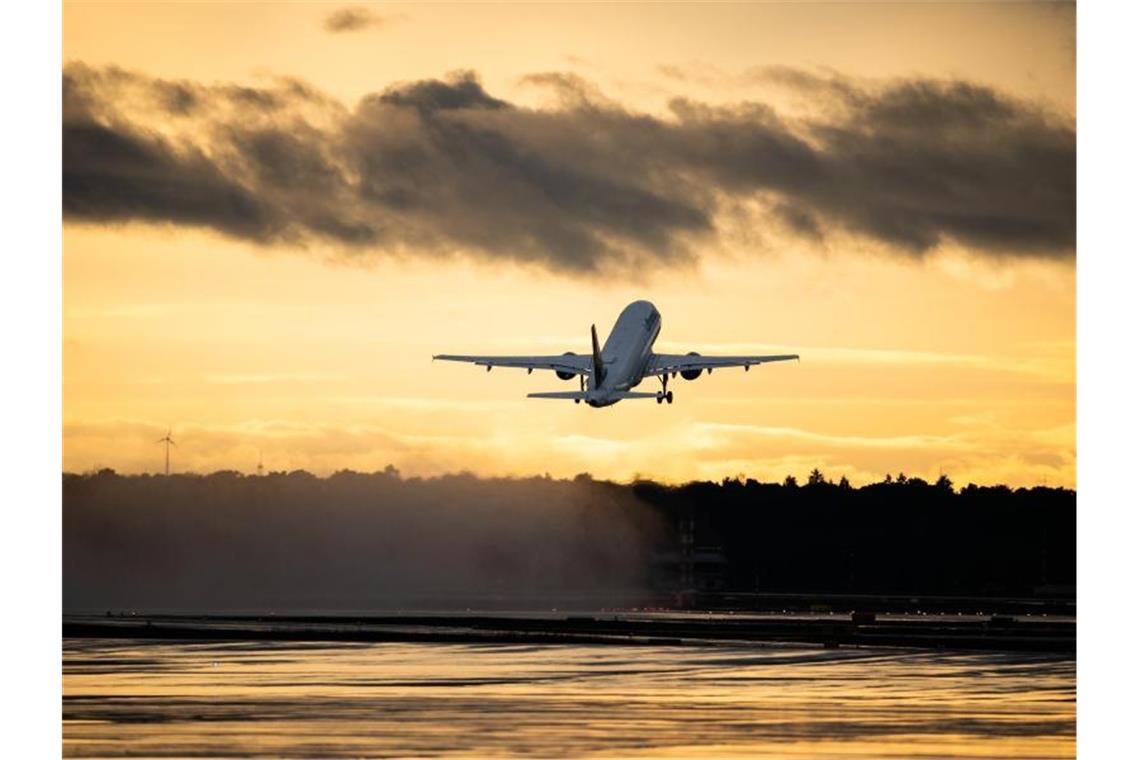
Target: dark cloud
583,185
352,19
461,91
119,175
571,89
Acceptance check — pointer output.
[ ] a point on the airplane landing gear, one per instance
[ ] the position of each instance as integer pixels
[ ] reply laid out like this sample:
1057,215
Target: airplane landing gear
665,394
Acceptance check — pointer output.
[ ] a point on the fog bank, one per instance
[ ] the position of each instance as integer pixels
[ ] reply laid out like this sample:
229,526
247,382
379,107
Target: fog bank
351,541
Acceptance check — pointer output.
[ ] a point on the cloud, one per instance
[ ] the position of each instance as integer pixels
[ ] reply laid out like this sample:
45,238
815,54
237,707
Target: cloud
973,444
976,451
238,378
584,185
119,174
895,442
353,19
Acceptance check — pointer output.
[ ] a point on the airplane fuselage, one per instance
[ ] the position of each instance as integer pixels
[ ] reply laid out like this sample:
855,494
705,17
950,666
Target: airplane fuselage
626,352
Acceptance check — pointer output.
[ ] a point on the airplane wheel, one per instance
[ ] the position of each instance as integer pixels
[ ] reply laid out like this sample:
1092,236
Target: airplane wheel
669,397
577,401
658,399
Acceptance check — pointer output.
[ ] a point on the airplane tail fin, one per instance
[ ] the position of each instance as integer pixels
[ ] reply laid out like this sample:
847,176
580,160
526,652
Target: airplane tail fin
599,369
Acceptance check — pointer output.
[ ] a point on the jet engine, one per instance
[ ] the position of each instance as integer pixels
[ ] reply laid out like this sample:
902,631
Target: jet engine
569,375
691,374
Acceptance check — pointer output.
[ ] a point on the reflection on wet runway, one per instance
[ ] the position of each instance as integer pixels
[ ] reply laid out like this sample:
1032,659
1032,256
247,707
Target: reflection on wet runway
128,697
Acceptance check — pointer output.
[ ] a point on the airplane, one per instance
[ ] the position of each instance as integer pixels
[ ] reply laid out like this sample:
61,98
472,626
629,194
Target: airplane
607,375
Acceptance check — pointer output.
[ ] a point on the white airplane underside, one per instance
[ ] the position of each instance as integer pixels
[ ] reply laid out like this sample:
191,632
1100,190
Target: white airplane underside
607,375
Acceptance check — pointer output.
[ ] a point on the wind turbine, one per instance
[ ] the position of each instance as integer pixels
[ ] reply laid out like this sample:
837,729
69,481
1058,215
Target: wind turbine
169,442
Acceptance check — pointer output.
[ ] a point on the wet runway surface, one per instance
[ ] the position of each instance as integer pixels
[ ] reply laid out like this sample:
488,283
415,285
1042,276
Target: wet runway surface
310,699
989,632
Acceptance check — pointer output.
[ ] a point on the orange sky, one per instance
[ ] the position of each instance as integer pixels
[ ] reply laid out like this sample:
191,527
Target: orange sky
960,360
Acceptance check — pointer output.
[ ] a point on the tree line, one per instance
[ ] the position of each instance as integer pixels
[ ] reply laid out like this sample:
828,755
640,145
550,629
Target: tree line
375,540
902,535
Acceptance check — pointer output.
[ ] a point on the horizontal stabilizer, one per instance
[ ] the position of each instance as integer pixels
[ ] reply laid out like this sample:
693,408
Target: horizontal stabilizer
587,395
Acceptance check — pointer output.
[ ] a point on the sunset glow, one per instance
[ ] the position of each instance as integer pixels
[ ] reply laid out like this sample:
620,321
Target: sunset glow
944,345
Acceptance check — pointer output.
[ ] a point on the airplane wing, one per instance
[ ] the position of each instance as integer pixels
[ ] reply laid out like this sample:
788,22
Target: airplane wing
572,364
661,364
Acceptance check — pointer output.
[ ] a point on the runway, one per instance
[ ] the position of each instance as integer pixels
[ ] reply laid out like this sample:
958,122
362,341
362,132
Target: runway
151,697
939,631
